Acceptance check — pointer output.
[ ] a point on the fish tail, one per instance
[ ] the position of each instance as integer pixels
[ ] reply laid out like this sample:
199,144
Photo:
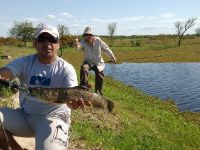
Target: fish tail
110,105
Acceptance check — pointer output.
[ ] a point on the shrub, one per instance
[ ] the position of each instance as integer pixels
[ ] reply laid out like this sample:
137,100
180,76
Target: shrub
67,41
136,43
10,42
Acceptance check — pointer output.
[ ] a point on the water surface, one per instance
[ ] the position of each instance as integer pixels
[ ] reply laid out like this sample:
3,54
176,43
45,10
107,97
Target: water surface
178,81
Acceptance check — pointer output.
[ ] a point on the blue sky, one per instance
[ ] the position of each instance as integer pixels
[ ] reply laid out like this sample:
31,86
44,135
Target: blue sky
133,17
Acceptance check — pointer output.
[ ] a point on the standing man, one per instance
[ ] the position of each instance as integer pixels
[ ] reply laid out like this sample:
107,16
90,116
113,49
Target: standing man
48,123
92,47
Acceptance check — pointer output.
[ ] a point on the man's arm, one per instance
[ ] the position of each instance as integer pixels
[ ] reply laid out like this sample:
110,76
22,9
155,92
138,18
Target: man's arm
113,58
6,74
105,48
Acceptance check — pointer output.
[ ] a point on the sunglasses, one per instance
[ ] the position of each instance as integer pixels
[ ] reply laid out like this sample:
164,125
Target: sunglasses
50,39
88,35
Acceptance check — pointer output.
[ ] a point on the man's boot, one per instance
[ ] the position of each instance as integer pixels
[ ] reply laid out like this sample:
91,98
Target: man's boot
99,82
84,75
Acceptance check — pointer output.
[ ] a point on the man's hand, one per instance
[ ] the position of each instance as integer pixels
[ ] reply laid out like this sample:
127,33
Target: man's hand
78,103
6,74
114,60
76,43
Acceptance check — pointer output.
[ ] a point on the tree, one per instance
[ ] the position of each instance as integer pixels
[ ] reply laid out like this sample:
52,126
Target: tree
23,31
63,30
64,35
111,30
197,31
182,27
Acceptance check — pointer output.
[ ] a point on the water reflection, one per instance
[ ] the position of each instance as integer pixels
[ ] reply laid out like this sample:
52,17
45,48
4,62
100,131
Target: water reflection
179,81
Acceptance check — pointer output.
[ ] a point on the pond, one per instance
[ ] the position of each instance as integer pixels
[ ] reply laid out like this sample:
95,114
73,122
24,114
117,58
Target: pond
178,81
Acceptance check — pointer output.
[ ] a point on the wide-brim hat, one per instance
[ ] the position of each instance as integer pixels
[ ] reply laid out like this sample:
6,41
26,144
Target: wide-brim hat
88,30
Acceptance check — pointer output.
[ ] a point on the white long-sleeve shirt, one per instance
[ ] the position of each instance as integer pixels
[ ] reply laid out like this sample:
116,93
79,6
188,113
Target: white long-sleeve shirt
93,53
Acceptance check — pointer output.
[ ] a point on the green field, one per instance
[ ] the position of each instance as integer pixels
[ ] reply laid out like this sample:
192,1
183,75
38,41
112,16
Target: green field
139,121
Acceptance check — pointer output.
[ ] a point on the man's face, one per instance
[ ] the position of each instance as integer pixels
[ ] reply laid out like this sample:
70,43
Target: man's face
88,38
46,45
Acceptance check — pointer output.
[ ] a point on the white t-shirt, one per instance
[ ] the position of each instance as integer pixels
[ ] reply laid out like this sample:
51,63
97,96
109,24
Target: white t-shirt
32,73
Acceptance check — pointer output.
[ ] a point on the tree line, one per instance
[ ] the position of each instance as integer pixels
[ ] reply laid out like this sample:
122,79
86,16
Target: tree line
24,31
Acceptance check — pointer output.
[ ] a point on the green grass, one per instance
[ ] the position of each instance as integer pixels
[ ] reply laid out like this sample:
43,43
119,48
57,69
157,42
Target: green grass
139,121
6,97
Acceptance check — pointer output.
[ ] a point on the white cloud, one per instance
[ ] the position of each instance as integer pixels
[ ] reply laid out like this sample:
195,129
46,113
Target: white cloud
80,20
61,20
78,25
133,18
97,20
66,14
32,19
3,18
5,22
50,16
5,25
152,18
168,15
168,21
165,17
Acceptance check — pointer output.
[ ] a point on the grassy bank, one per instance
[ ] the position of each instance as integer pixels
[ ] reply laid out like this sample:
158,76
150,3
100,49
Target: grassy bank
139,121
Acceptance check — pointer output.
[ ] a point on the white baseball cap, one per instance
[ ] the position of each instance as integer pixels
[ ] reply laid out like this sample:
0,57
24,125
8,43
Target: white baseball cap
88,30
48,29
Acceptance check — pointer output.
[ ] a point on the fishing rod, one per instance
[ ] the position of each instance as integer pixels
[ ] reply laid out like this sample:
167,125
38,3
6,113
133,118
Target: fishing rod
7,145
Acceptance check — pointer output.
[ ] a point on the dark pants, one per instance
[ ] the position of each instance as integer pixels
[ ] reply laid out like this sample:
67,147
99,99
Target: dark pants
85,67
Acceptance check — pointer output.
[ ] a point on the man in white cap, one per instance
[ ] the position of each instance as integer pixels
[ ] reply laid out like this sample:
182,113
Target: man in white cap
48,123
93,46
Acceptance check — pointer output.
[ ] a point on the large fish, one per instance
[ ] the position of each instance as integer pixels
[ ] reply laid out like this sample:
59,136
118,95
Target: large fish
62,95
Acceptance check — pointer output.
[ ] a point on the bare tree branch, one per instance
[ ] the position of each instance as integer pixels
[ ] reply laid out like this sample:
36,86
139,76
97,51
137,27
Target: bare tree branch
111,30
182,27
